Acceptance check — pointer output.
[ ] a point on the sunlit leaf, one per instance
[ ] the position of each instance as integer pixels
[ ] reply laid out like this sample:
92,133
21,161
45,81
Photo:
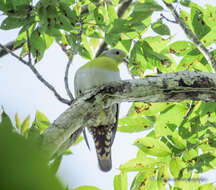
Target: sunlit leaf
134,123
168,120
152,146
121,181
181,48
160,28
17,120
25,124
86,187
175,166
139,164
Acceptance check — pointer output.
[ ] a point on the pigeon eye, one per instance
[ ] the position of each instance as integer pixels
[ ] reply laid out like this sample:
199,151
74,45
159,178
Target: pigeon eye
117,53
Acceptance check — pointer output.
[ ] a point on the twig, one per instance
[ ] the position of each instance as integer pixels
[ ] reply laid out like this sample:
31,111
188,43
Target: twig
192,37
163,17
28,39
71,56
29,46
10,46
124,6
191,107
13,54
121,11
38,75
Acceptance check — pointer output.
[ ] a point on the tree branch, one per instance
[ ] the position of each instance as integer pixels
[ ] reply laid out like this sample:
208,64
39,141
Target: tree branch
38,75
172,87
210,59
163,17
68,143
71,56
10,46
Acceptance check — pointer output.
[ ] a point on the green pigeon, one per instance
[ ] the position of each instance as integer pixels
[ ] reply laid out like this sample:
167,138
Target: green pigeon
99,71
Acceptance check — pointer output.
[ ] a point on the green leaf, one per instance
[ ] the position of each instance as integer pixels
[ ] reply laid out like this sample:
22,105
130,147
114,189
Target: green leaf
190,154
38,44
207,107
98,17
65,23
160,28
203,162
54,166
20,39
84,53
200,27
175,166
157,43
124,45
210,16
152,146
178,141
5,120
148,109
189,60
112,38
111,12
120,26
167,121
33,133
121,181
78,141
209,38
23,166
49,40
86,46
55,33
68,12
144,180
67,152
187,18
144,10
163,176
134,123
11,23
18,2
181,48
25,124
139,164
42,121
153,58
20,12
170,1
17,120
208,186
115,2
86,187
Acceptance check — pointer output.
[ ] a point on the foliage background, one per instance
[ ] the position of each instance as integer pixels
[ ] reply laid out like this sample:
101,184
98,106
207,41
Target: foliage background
24,94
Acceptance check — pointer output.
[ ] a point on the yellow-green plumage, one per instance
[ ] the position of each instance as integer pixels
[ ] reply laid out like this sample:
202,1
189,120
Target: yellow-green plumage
97,72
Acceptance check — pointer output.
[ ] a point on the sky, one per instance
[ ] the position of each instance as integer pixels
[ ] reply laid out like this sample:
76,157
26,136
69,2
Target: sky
23,93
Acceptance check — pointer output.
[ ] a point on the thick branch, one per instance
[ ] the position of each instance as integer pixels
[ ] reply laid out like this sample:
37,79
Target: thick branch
171,87
193,37
38,75
68,143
